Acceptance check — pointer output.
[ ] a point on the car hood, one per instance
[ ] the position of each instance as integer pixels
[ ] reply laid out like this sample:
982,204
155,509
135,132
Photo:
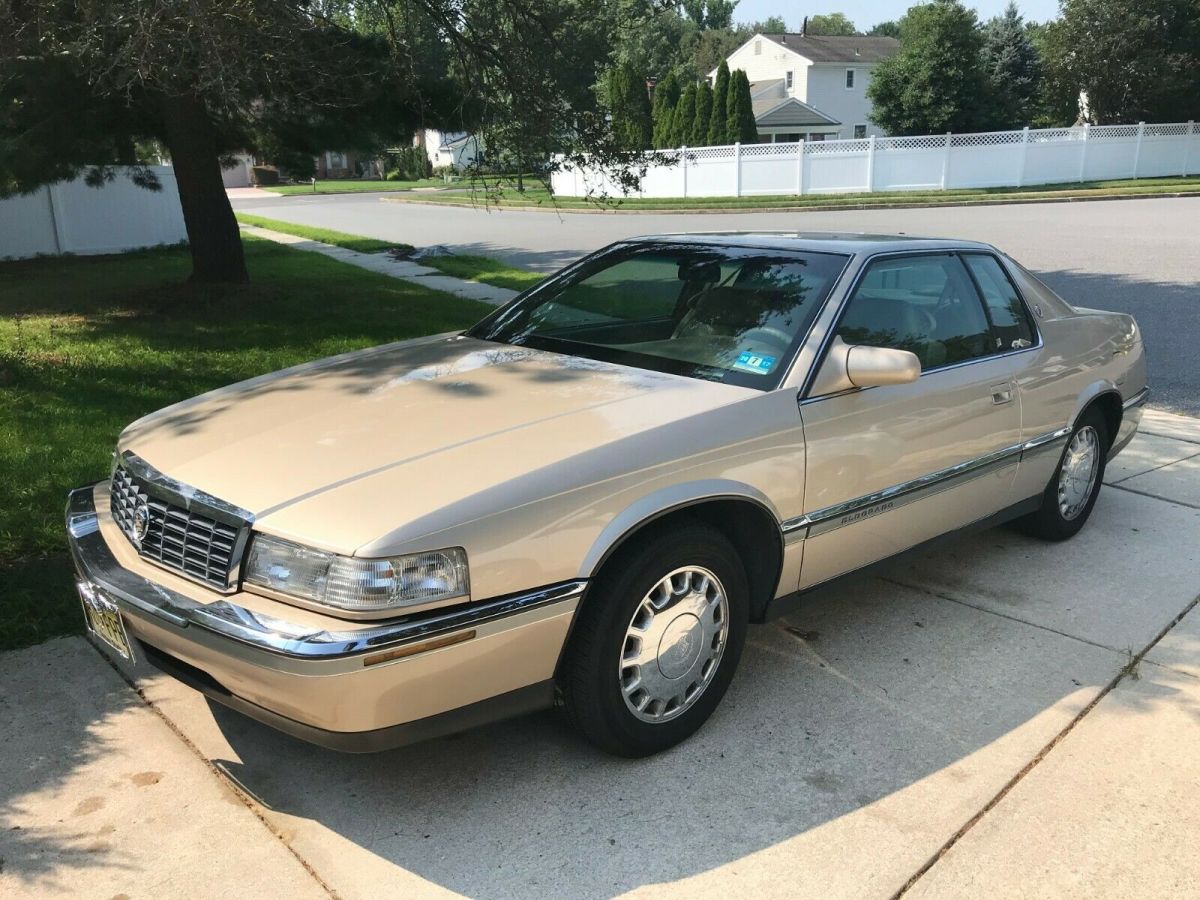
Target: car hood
333,451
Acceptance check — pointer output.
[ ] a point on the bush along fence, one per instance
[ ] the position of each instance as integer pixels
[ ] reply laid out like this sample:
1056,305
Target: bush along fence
933,162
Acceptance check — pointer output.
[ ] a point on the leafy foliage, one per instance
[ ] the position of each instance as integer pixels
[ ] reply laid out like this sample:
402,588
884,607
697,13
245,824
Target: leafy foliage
1134,61
832,24
888,28
936,82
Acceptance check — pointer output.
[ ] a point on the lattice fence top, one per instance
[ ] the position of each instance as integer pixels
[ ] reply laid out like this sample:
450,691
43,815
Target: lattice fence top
780,149
1167,130
986,139
703,153
823,148
1100,132
921,142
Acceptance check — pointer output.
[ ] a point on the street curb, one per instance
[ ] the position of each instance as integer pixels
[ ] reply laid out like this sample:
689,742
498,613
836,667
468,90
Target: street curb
794,208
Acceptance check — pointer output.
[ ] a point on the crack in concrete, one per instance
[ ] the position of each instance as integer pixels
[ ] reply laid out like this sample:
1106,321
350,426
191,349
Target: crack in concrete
1124,673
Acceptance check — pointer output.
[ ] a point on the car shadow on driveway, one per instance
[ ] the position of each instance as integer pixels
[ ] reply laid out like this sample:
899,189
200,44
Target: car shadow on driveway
858,736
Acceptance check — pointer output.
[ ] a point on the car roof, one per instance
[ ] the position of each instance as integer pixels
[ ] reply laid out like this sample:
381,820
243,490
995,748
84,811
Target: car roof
826,241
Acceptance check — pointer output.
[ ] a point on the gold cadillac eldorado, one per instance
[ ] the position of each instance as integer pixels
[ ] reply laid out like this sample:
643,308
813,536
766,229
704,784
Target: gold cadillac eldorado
588,497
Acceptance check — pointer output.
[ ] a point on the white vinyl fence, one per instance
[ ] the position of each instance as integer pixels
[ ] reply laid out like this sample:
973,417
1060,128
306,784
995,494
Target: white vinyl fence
70,217
934,162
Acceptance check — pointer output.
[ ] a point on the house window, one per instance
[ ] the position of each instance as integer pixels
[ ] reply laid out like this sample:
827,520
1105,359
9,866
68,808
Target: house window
849,79
335,160
758,48
817,136
860,131
787,79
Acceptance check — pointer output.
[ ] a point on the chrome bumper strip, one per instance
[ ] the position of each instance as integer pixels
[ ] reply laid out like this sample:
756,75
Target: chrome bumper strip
830,518
96,563
1138,399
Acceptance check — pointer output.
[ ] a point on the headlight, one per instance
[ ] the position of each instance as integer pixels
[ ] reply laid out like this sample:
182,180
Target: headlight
357,585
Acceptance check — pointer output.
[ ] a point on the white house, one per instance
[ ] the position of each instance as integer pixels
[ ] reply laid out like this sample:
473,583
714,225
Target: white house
809,87
457,149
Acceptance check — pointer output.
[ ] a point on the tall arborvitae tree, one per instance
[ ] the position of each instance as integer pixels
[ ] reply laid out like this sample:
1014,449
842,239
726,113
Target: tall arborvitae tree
716,123
936,82
739,111
666,95
629,106
704,102
1013,69
685,116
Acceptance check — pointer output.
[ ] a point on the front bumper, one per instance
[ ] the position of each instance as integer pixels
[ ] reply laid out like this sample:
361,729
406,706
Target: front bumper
350,688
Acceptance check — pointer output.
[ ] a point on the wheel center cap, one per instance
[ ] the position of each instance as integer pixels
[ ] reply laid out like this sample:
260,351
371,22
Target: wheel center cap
680,646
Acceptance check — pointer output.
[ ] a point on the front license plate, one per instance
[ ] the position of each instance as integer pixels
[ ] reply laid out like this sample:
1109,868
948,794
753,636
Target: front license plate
104,619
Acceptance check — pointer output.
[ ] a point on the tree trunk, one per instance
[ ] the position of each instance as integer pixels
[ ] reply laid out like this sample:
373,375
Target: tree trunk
212,229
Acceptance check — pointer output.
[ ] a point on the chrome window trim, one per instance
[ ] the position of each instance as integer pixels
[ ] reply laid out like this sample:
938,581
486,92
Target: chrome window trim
831,518
1001,261
96,563
823,348
167,489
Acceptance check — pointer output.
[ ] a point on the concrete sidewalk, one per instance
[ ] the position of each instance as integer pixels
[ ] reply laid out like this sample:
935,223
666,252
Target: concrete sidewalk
1000,715
384,264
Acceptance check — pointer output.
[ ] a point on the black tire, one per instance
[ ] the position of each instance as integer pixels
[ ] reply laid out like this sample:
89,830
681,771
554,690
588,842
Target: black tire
591,677
1050,523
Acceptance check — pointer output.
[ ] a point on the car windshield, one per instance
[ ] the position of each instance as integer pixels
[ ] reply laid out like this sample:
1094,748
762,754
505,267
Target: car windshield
729,314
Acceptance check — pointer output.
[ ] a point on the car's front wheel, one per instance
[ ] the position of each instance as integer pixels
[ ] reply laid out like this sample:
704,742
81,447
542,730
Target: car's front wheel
1072,491
657,641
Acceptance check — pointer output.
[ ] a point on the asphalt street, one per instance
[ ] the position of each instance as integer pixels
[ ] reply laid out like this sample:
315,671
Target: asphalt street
1135,256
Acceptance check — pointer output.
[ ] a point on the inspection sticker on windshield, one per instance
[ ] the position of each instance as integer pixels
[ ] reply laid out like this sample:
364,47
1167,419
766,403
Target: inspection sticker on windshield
752,362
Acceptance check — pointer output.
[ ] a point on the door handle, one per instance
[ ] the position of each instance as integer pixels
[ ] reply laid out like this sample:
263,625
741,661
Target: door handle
1002,393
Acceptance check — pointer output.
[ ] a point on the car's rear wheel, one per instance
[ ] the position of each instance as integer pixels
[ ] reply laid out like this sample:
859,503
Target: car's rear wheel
1069,497
657,641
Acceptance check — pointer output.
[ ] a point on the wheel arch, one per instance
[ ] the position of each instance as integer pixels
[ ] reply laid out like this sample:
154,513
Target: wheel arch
742,514
1105,397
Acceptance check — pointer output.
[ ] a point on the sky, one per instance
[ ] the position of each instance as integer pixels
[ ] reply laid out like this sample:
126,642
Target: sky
864,13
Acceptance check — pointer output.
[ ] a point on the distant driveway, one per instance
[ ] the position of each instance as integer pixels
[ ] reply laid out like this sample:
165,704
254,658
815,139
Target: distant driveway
1137,256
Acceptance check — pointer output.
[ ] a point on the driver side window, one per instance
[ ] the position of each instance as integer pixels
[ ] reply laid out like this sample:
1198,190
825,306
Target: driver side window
924,304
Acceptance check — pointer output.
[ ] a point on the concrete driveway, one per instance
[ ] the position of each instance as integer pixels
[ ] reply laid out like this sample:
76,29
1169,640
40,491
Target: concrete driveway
999,716
1135,256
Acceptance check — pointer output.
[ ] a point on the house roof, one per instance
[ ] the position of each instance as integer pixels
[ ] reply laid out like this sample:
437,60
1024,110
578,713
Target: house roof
761,87
838,49
776,113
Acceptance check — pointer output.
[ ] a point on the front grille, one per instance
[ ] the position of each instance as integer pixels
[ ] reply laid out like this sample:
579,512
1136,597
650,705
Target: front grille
176,537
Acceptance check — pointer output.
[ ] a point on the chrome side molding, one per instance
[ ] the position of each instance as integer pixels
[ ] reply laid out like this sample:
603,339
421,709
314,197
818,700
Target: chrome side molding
831,518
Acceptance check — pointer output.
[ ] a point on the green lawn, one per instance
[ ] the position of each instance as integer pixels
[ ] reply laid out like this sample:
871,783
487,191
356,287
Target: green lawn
352,186
538,196
88,344
485,269
324,235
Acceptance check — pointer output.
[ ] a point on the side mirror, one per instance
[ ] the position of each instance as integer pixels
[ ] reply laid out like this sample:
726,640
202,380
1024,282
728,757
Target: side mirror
849,366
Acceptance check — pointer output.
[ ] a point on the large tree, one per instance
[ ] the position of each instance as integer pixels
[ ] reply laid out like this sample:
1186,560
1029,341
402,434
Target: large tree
936,82
207,77
1133,61
1013,69
888,28
831,24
